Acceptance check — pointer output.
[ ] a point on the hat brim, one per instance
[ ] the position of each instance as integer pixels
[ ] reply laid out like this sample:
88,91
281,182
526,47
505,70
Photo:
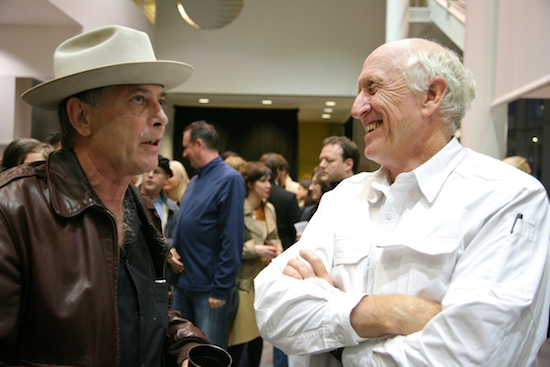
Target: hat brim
48,95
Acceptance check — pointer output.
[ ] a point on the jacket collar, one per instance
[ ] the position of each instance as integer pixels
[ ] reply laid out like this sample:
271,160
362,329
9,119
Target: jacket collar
70,191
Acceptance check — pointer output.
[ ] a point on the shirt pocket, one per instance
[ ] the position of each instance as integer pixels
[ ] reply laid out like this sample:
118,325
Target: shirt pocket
420,267
351,263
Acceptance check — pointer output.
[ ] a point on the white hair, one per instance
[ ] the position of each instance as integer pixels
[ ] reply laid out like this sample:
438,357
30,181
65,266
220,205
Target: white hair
425,63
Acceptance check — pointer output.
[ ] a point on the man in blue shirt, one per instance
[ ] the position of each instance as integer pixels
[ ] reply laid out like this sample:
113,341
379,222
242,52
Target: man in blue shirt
209,234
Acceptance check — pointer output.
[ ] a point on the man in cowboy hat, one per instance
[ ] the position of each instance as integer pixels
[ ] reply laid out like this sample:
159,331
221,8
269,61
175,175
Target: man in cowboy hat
82,256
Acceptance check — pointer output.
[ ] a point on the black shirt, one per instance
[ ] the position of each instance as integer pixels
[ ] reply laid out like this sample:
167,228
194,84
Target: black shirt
142,299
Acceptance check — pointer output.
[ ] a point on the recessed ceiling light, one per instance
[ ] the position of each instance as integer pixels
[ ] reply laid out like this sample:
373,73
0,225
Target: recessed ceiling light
267,102
330,103
535,139
204,100
328,110
326,116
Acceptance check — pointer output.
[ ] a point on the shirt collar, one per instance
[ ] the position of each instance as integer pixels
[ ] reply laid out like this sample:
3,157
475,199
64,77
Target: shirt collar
432,174
209,166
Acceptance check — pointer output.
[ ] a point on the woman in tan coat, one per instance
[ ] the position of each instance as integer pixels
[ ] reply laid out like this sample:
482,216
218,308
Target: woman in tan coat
261,245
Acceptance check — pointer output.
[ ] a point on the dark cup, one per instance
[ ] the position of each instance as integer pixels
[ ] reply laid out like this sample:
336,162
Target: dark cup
208,355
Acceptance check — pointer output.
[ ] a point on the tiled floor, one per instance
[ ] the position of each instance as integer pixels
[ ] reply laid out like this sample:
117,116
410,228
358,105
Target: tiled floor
543,356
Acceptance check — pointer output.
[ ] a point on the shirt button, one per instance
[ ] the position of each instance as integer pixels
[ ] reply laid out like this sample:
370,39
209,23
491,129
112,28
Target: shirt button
388,216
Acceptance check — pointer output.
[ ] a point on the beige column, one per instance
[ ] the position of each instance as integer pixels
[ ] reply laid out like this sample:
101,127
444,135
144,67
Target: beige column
397,20
483,129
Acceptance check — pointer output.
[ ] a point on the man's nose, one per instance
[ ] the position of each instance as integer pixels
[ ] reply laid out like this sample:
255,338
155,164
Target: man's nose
361,105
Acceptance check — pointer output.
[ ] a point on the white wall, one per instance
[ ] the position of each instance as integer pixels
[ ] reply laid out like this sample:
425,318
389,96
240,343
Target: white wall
523,48
26,49
287,47
99,13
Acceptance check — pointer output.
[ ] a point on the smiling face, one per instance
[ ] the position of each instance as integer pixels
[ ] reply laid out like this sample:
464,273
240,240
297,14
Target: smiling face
191,150
124,134
388,110
403,129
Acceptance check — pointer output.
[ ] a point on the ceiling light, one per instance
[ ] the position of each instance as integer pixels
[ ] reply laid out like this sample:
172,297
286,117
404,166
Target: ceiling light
326,116
535,139
267,102
327,110
330,103
204,100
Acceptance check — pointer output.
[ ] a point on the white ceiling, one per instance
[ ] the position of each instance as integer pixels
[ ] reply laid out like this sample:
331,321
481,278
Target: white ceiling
32,13
43,13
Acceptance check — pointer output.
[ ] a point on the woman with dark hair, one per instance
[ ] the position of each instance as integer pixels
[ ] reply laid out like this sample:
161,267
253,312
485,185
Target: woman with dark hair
262,244
14,151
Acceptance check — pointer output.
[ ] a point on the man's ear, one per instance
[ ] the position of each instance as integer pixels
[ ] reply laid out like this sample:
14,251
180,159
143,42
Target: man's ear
199,143
78,113
434,96
349,164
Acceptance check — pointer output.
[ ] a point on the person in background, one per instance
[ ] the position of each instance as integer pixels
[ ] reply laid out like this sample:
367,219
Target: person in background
54,139
439,258
228,153
14,150
235,161
177,184
286,205
290,184
82,255
152,184
36,153
288,213
261,245
302,193
339,159
519,162
209,234
317,188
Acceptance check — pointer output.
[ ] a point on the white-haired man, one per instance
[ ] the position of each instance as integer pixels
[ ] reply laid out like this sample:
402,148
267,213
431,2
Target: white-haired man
440,258
82,256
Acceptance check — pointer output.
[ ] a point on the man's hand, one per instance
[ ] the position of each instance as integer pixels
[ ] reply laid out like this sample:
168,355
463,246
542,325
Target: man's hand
175,261
215,303
376,316
185,363
299,270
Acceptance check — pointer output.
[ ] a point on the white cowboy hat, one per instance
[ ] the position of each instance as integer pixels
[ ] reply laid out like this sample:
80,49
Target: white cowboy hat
112,55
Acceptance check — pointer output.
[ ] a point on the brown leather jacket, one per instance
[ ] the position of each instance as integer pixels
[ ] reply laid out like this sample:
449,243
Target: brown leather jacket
59,270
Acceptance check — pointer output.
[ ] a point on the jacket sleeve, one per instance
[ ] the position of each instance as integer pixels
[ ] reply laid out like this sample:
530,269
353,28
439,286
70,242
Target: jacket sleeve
182,335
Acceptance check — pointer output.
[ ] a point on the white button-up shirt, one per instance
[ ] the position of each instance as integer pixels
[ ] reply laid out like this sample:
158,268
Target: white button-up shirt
464,230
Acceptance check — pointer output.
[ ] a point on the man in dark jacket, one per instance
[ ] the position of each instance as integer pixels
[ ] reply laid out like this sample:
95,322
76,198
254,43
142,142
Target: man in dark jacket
285,203
82,256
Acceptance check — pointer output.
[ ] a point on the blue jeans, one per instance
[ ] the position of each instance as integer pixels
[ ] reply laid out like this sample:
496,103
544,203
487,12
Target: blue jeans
195,307
279,358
